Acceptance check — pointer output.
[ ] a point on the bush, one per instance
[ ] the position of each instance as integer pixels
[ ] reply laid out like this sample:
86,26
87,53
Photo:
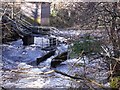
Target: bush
115,82
88,45
61,19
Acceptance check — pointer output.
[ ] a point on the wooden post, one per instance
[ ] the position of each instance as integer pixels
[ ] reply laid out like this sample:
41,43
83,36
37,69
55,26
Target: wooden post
28,40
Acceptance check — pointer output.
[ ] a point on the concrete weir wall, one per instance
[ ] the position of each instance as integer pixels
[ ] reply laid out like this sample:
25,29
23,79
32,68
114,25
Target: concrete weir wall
39,13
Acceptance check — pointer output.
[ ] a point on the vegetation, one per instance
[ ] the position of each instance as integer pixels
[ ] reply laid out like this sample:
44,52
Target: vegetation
88,45
94,15
115,82
88,16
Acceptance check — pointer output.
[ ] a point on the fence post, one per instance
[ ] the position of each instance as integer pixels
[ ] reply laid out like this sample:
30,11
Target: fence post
28,40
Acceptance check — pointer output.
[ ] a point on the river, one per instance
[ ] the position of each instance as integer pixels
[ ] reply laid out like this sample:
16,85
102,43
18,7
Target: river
20,70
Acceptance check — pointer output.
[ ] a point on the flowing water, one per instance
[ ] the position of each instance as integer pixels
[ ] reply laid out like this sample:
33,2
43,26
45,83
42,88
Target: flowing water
20,70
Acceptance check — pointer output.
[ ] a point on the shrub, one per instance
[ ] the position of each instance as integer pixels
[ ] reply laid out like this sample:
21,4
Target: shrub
88,45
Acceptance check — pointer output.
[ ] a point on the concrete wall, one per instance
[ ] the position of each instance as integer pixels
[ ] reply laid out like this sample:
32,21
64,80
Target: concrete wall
38,12
45,13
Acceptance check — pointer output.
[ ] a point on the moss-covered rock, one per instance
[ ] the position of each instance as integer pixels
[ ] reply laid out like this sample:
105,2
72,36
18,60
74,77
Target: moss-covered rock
115,82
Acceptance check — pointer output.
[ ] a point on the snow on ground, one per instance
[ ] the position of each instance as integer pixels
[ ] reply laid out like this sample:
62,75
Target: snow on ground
22,75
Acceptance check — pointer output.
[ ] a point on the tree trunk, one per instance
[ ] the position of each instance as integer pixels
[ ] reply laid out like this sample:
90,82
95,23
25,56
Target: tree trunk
115,42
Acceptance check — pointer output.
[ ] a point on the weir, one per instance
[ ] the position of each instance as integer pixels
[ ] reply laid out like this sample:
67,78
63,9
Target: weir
27,33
